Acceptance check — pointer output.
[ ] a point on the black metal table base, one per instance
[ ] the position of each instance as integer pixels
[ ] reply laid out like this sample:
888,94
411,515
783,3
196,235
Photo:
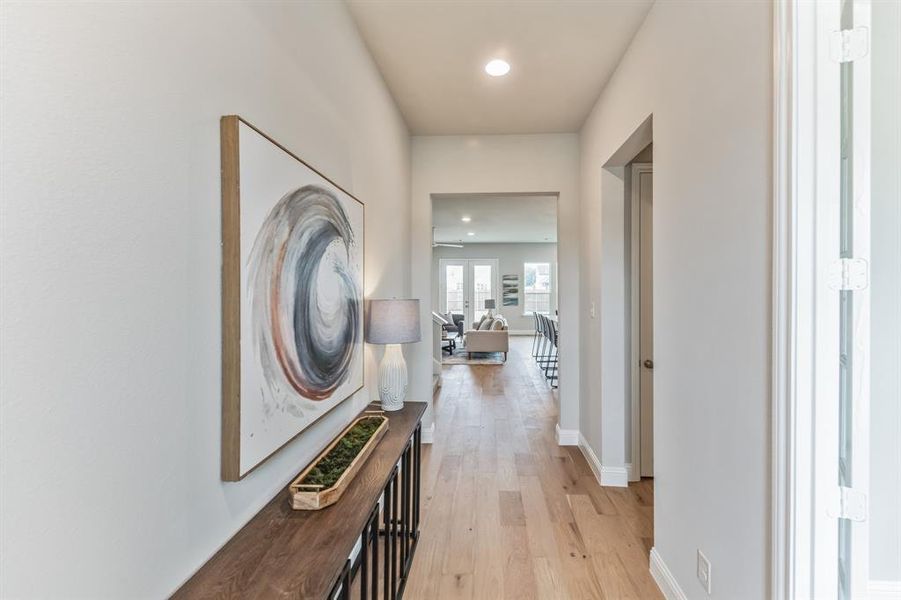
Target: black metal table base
387,544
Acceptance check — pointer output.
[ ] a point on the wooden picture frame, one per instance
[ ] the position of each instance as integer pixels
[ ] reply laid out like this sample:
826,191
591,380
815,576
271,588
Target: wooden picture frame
242,452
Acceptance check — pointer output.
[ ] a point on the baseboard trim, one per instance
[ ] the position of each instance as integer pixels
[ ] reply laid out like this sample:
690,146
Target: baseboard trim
668,585
520,332
884,590
428,434
632,472
606,476
566,437
590,457
614,476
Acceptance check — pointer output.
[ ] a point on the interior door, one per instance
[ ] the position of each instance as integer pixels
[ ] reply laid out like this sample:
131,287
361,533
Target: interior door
856,549
879,569
843,443
646,321
465,284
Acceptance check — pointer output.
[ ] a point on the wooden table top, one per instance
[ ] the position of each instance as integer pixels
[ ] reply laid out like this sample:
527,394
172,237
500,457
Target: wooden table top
285,553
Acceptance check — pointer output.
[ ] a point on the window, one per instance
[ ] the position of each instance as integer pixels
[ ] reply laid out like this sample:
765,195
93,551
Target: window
537,288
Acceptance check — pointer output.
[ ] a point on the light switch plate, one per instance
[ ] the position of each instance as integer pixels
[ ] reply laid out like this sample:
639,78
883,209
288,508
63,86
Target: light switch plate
704,571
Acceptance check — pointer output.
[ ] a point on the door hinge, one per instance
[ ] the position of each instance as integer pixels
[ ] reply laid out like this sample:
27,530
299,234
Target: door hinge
851,274
848,503
849,44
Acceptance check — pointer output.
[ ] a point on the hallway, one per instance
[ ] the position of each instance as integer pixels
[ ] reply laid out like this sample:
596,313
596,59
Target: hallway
194,235
509,514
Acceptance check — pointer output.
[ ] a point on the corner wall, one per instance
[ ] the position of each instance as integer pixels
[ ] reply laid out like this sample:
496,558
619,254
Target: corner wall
704,71
499,164
110,294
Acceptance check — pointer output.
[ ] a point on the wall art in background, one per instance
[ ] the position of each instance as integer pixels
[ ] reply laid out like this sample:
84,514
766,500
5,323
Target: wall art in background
510,284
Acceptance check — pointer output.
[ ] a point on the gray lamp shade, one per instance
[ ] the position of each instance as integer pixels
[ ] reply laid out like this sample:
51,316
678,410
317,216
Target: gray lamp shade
393,322
490,304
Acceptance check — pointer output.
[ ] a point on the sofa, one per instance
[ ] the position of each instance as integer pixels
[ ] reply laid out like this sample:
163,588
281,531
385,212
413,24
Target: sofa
489,334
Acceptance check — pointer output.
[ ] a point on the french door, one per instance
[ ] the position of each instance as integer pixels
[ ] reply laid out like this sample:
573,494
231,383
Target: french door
465,285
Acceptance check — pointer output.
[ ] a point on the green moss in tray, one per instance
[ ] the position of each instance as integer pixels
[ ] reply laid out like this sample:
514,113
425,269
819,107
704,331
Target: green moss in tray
328,470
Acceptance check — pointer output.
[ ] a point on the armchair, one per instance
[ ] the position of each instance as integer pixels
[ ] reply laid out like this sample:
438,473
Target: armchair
455,323
494,339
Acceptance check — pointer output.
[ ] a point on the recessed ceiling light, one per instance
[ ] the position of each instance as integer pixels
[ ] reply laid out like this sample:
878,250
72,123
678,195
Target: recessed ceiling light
470,233
466,219
497,67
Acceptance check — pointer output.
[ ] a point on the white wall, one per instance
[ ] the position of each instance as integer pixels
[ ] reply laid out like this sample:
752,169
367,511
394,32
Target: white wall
703,70
610,285
109,430
500,164
511,258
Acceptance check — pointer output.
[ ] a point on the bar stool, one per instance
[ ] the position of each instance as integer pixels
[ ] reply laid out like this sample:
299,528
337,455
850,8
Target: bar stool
544,346
550,370
536,335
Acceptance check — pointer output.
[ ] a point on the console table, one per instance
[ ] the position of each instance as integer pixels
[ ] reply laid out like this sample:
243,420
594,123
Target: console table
365,542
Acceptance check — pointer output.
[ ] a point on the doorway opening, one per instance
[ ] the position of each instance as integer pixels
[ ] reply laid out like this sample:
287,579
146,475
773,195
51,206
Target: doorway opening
494,267
627,317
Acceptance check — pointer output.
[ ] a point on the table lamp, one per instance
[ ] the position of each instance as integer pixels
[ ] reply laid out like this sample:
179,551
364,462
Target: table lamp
490,305
392,323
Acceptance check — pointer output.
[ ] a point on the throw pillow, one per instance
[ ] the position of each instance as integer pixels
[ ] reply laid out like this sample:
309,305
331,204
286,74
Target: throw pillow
481,321
498,325
485,324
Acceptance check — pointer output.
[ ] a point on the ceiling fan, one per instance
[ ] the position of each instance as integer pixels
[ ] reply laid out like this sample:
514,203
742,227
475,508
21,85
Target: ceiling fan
443,245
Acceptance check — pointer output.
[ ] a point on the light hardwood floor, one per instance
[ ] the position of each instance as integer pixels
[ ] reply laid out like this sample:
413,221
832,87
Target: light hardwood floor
509,514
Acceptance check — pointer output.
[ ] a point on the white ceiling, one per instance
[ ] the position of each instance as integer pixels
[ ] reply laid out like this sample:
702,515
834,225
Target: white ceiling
432,55
495,218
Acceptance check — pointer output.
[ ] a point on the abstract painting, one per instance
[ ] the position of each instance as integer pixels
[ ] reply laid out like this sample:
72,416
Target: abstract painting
292,296
510,284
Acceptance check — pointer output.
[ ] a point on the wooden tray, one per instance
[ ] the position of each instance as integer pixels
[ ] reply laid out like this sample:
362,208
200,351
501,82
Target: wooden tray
313,497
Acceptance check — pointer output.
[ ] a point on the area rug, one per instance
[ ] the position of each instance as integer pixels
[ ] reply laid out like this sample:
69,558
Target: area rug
461,357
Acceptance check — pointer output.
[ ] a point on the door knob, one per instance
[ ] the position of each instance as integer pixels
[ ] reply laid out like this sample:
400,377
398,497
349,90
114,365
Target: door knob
648,364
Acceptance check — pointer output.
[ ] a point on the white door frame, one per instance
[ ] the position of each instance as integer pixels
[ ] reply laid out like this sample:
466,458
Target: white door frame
790,444
793,285
634,321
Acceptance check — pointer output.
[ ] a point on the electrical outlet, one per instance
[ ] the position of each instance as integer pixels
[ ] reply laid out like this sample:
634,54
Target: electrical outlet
704,571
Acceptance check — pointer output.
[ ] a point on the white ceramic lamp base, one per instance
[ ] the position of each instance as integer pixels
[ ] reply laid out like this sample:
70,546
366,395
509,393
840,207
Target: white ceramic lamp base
392,378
